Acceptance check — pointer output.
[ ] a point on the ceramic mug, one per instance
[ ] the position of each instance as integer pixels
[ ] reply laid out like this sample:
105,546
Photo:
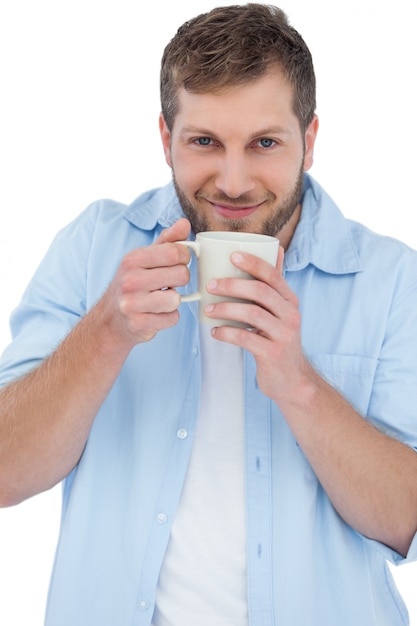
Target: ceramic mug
213,250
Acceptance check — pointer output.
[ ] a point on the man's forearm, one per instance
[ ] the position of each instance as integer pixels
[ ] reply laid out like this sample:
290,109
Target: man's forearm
370,477
46,416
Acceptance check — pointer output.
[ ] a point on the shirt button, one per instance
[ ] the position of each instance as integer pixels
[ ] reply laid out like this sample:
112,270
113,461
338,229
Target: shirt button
182,433
143,605
162,518
195,351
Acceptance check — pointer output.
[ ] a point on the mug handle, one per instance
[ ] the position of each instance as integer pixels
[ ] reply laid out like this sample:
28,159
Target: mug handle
195,247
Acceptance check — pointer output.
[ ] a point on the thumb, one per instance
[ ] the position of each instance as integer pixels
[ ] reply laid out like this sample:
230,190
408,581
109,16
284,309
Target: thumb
177,232
280,260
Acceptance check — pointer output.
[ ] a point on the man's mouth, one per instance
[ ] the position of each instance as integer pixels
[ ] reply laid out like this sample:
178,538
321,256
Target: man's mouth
234,212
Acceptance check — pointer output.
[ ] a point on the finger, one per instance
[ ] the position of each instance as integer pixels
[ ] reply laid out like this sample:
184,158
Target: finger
246,290
255,266
251,316
280,260
157,255
144,326
161,301
264,271
247,338
152,279
177,232
263,298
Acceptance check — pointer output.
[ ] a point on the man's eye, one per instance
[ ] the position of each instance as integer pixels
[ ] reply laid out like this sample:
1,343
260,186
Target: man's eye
266,143
204,141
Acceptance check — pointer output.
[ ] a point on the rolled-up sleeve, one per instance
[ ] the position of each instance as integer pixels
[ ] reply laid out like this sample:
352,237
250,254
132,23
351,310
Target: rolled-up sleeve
53,302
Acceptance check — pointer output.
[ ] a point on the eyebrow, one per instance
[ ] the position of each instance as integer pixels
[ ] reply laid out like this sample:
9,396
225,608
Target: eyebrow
270,130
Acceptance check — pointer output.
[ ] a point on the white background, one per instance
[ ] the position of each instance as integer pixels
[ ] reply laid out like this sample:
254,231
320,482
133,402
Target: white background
78,121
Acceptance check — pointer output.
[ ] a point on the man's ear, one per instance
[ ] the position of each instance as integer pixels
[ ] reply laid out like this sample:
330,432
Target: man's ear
310,140
166,139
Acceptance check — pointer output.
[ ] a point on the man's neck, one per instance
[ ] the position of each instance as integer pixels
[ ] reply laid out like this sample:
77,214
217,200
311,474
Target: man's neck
286,233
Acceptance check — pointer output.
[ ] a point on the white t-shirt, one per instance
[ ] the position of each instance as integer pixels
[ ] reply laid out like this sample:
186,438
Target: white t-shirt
203,577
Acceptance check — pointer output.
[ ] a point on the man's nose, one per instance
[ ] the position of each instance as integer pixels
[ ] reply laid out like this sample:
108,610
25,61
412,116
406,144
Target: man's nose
235,175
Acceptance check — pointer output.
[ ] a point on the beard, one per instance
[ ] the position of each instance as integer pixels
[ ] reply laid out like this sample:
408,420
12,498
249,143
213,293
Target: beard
280,214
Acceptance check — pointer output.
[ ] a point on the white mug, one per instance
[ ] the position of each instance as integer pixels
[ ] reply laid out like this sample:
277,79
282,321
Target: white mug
213,250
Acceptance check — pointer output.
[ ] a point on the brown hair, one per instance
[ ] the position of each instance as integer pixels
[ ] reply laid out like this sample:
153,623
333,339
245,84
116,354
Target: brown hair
232,45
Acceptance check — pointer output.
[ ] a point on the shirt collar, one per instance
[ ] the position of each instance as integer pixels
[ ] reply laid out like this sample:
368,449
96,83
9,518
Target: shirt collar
322,236
157,206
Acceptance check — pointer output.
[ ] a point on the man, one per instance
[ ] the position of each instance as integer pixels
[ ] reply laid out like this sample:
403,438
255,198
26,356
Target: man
224,476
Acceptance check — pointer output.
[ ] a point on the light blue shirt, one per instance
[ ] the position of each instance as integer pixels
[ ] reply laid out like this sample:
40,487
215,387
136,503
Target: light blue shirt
306,566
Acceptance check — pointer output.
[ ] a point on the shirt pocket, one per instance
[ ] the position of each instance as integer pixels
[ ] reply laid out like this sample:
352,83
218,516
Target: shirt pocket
351,375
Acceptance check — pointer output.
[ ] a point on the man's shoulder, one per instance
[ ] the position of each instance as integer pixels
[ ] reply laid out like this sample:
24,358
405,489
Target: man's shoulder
329,221
146,210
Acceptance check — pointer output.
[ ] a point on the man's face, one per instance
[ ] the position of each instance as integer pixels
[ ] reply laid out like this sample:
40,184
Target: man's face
238,157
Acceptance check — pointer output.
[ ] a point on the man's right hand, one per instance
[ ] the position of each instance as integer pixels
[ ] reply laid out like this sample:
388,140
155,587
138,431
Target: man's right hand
142,300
